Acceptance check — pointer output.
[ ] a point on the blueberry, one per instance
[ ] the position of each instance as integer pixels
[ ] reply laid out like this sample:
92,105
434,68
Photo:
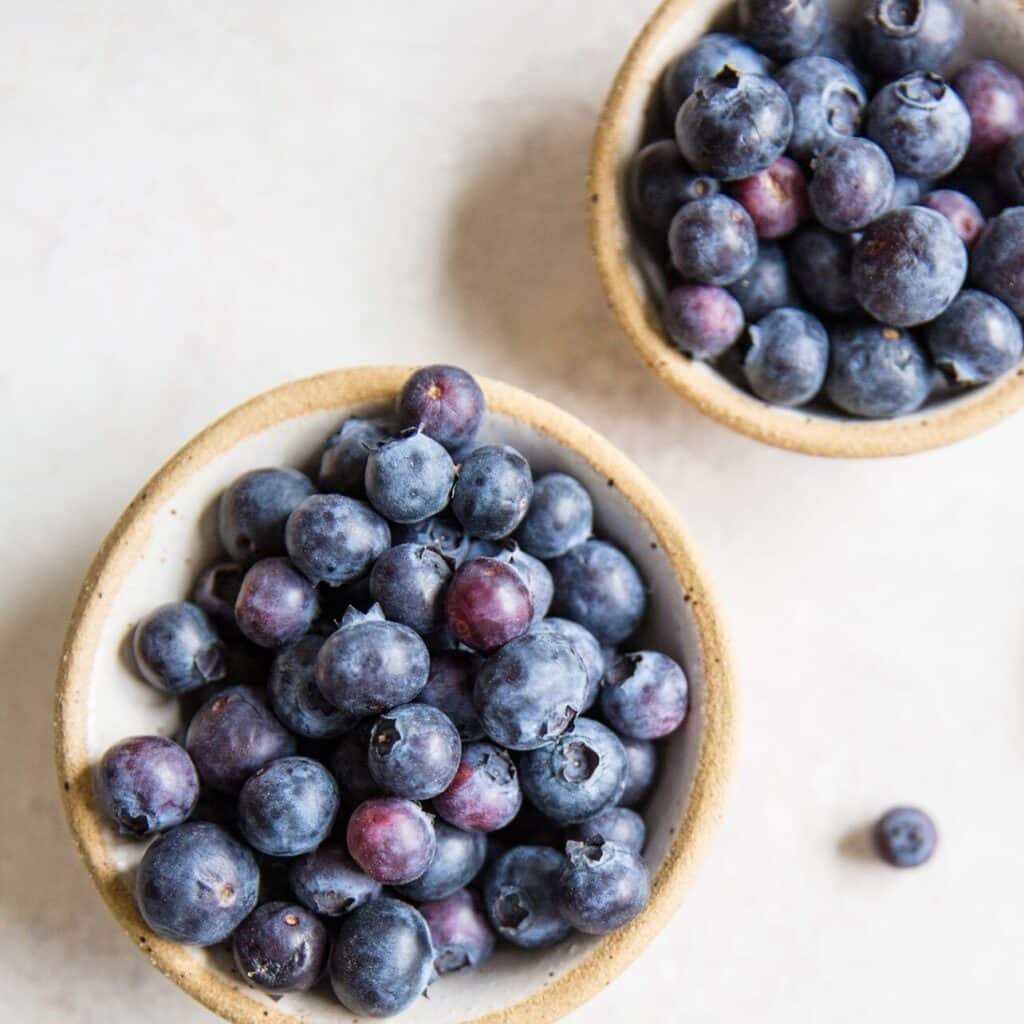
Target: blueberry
645,695
997,263
255,508
787,358
288,807
349,765
177,649
823,264
216,590
783,29
851,186
976,340
876,371
703,61
276,604
521,897
584,643
459,930
487,604
618,825
905,837
659,182
734,125
921,124
1010,171
280,948
446,403
457,860
233,735
329,882
409,582
146,784
409,478
450,689
994,98
641,768
295,697
898,36
196,884
908,266
766,286
442,533
414,751
775,198
532,571
529,692
343,463
493,491
391,839
828,104
712,241
577,776
961,211
598,586
484,795
906,191
602,887
702,320
370,666
383,958
560,516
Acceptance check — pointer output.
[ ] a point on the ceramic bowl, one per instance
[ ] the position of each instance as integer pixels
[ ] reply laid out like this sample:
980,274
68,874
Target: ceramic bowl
633,284
168,533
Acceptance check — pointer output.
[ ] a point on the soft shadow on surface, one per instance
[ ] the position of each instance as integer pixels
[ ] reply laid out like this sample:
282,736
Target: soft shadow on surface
857,843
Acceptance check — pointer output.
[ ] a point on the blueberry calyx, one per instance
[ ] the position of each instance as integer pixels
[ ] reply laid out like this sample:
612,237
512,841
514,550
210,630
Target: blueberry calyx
579,761
900,17
924,91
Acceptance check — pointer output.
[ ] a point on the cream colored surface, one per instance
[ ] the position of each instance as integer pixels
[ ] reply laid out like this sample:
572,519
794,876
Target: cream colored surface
201,202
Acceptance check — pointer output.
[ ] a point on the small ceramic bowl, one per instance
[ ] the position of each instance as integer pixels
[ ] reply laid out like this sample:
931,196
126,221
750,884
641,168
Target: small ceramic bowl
632,282
168,533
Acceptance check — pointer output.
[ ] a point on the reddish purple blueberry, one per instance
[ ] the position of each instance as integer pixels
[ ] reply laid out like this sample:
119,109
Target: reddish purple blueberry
446,403
276,604
487,604
391,839
645,695
961,211
775,198
702,320
484,795
459,931
994,97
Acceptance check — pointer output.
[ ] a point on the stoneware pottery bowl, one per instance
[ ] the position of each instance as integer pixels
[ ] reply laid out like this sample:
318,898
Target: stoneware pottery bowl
168,533
633,284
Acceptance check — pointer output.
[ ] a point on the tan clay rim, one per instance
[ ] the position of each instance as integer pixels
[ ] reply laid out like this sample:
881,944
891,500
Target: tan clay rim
219,992
709,391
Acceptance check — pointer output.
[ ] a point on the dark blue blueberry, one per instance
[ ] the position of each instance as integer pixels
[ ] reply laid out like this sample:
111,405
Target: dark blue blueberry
442,533
851,186
493,491
787,358
997,262
905,837
484,795
391,839
822,263
876,371
409,582
641,768
450,689
702,320
530,691
577,776
254,509
906,191
703,61
276,604
828,104
908,266
618,825
560,516
976,340
288,807
295,697
177,649
645,695
783,29
775,198
734,125
343,463
598,586
659,183
196,884
921,124
446,403
457,859
459,930
280,948
712,241
994,97
585,644
899,36
383,958
521,897
602,887
233,735
1010,171
488,603
370,666
409,478
961,211
216,590
329,882
414,751
767,285
146,784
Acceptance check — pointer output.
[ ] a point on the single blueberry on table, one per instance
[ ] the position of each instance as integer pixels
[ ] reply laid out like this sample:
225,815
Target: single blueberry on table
254,509
560,516
521,897
702,320
641,769
276,604
994,97
493,491
177,649
442,533
775,198
391,839
898,36
997,262
484,795
196,884
961,211
459,931
585,644
329,882
1010,171
823,264
659,182
446,403
281,948
343,463
703,61
414,751
350,768
450,689
783,29
767,285
734,125
382,959
712,241
487,604
295,697
409,581
976,340
409,478
602,886
645,695
618,825
145,784
458,858
905,837
851,185
216,590
787,358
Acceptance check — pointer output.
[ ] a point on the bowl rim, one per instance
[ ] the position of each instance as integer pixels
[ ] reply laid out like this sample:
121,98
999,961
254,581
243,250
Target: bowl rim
792,429
350,387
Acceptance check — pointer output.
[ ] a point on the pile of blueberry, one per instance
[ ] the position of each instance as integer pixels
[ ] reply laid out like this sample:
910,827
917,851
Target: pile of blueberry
393,755
818,195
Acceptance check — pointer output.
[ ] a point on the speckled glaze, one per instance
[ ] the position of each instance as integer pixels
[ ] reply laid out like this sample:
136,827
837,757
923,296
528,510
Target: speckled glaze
163,538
